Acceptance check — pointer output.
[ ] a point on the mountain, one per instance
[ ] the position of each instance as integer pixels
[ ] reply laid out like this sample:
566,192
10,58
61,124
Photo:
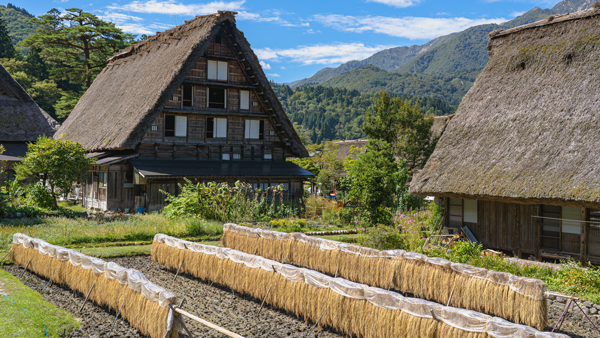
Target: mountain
388,59
467,50
458,52
372,79
17,20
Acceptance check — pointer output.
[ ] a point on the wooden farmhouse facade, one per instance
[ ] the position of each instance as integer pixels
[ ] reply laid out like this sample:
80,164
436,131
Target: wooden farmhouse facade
519,163
189,103
21,121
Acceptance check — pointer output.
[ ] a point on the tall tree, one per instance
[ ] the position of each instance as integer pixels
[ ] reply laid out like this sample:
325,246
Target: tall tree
403,126
77,43
36,66
6,48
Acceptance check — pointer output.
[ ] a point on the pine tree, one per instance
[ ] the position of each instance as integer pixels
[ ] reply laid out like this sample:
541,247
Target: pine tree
37,67
7,50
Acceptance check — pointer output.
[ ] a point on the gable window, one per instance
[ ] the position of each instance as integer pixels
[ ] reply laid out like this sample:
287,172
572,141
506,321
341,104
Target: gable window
187,95
237,156
244,99
255,129
217,70
268,156
216,98
216,127
226,157
175,126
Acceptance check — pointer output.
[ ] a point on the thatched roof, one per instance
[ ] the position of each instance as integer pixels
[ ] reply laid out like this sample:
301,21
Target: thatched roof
346,146
127,96
21,119
528,129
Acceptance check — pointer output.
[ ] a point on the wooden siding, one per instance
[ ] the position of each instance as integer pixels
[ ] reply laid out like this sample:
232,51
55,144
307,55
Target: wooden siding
506,226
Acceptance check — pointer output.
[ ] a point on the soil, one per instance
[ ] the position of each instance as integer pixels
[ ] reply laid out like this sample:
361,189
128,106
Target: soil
222,307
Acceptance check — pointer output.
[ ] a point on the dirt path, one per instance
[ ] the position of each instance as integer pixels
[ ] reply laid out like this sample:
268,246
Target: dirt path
220,306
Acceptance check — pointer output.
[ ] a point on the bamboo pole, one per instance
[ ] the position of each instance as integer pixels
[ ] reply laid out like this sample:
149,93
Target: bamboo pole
50,281
206,323
25,268
86,297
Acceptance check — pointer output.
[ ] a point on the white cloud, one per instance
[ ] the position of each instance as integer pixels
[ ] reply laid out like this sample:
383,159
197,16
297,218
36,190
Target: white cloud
396,3
135,28
405,27
119,18
515,14
273,75
175,8
273,16
265,65
320,54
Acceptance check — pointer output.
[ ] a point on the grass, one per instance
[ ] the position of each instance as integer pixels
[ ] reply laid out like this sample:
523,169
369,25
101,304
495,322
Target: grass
17,322
79,232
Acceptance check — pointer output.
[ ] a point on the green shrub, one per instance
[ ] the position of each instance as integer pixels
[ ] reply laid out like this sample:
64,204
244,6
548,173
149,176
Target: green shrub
464,251
382,238
200,228
38,195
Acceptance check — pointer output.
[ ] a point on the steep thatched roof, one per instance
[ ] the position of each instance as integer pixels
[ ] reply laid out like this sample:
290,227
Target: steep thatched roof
21,119
127,96
528,129
346,146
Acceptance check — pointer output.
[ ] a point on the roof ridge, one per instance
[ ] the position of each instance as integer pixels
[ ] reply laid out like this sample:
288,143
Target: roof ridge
552,19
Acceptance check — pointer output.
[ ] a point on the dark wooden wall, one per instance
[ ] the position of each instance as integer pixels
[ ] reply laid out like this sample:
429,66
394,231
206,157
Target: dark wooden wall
506,226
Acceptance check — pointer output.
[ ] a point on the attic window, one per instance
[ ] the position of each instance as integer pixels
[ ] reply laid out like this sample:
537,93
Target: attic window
154,128
216,98
187,95
255,129
175,126
218,39
217,70
268,156
216,127
244,99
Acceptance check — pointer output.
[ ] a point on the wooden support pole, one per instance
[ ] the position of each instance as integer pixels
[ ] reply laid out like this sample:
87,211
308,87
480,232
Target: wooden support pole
584,236
50,281
116,317
25,268
2,261
263,302
391,280
86,297
177,273
206,323
317,323
451,293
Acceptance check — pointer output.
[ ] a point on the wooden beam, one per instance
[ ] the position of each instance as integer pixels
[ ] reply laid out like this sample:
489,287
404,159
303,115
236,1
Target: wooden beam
584,236
538,233
206,323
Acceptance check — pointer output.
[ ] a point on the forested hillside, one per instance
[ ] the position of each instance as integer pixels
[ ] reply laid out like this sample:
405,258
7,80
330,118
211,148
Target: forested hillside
369,79
325,113
17,22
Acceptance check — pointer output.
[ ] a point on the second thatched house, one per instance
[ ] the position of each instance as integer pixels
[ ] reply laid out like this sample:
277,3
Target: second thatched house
519,164
21,121
189,103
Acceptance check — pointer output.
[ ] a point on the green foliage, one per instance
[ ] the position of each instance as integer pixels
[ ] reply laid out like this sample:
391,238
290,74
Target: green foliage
325,114
402,125
201,228
375,182
76,43
18,21
44,92
443,90
62,164
67,103
38,195
465,251
382,238
6,48
220,202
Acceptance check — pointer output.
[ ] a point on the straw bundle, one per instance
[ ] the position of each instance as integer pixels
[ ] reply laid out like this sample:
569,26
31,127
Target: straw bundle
145,305
352,309
429,278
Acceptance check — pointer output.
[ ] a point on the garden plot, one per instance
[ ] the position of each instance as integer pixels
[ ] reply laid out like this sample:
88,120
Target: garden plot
214,304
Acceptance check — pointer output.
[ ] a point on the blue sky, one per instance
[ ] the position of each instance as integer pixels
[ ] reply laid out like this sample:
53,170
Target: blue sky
294,39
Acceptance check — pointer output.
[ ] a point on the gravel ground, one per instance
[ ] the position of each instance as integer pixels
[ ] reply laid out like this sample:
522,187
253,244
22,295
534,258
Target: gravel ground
219,306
